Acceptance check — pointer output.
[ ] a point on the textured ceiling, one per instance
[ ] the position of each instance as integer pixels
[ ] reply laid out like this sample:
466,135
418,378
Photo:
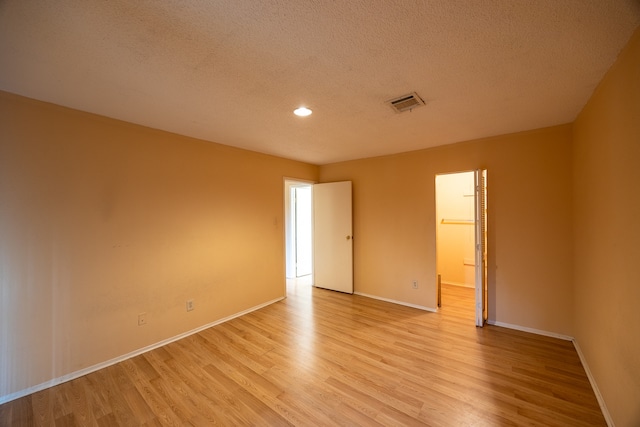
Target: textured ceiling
232,71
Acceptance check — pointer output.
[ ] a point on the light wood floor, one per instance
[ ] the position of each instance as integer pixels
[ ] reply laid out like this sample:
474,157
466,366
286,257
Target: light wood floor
325,358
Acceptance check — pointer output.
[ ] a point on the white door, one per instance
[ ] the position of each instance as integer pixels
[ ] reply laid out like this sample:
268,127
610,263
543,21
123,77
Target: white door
333,236
480,181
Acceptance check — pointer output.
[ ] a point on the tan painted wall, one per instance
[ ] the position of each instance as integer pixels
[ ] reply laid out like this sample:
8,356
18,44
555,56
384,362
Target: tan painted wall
529,223
101,220
455,242
607,235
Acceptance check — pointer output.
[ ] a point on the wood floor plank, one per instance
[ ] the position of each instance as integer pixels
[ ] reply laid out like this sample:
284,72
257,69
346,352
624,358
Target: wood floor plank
80,406
114,386
153,394
325,358
42,408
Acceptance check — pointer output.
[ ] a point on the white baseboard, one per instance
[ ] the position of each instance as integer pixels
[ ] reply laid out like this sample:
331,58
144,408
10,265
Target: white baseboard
90,369
530,330
406,304
594,386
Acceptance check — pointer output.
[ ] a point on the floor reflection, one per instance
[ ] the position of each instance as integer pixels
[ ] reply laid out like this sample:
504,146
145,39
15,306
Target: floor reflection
301,289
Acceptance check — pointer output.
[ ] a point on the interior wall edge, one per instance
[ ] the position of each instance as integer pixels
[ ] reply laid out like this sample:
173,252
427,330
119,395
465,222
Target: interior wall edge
606,207
594,385
583,360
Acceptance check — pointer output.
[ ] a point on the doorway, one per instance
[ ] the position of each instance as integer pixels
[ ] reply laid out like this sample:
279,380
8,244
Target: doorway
319,235
461,244
298,229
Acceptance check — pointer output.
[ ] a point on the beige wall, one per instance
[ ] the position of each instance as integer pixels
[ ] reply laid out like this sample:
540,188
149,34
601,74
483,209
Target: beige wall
529,224
101,220
455,241
607,235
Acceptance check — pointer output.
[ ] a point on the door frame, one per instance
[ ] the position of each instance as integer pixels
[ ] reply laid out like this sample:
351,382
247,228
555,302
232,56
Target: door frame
480,279
480,225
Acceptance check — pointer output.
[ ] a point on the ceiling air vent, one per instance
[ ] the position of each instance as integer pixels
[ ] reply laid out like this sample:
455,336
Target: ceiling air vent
406,102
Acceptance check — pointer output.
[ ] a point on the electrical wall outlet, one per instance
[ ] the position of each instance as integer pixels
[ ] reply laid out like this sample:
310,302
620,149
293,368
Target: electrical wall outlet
414,284
142,319
190,306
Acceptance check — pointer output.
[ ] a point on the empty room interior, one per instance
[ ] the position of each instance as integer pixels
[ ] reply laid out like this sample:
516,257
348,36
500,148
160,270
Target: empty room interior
150,161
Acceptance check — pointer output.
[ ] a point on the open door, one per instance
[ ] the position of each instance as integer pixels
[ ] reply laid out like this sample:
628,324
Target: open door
303,224
480,181
333,236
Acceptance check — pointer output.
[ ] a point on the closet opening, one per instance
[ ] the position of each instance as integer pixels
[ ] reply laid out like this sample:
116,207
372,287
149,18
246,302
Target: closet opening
461,244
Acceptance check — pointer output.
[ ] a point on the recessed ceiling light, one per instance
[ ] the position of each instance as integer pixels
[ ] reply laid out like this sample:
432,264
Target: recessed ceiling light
302,112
